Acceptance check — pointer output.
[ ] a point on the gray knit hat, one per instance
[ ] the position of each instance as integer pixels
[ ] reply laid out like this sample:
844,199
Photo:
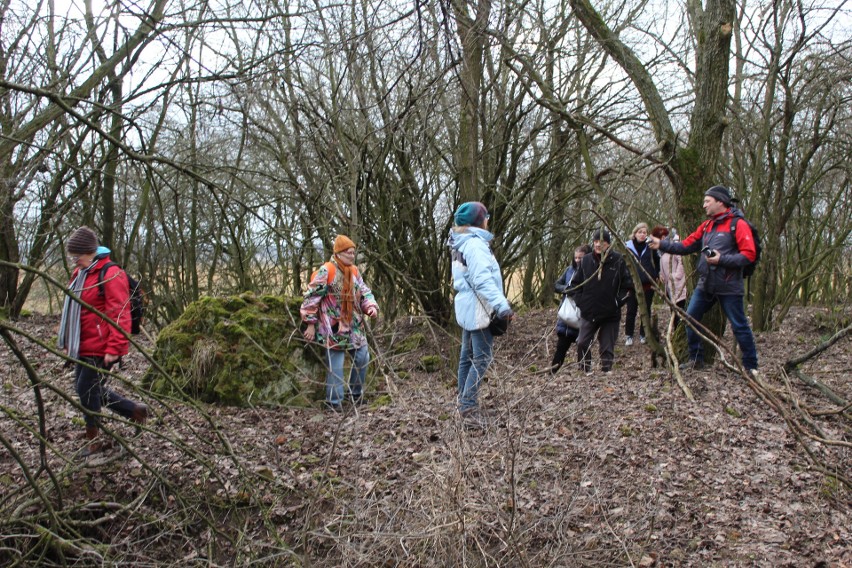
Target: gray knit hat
720,193
82,241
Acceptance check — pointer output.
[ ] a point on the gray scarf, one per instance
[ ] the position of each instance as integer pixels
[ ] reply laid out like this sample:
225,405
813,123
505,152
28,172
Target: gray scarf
69,327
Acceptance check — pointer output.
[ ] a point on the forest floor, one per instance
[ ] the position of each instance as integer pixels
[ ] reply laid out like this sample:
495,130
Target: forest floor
574,470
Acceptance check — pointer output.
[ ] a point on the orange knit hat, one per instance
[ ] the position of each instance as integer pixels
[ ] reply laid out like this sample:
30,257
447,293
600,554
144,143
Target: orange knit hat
342,243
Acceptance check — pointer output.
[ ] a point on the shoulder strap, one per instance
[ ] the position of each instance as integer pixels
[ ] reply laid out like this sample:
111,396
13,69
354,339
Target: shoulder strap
332,271
102,274
734,223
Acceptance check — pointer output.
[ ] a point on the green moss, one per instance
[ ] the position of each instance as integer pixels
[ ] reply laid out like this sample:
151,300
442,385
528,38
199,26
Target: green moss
548,450
383,400
731,411
239,350
430,363
832,488
409,344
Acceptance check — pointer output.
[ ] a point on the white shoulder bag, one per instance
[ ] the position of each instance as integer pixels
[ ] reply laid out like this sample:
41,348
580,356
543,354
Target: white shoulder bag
569,313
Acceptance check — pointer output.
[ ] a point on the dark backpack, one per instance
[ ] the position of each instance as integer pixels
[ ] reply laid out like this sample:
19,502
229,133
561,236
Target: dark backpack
755,235
137,298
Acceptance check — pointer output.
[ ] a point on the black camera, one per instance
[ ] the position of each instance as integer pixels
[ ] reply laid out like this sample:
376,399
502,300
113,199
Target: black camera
708,253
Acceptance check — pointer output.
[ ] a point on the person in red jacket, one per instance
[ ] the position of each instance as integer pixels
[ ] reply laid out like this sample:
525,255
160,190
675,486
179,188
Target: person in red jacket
89,339
725,254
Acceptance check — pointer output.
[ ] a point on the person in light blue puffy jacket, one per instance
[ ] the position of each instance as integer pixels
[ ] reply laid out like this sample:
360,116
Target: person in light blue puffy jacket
479,294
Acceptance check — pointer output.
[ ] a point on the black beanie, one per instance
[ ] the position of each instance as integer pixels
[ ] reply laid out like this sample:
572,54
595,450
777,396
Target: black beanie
82,241
720,193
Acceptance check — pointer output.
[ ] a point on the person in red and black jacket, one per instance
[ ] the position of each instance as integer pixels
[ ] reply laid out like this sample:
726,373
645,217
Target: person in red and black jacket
88,338
725,254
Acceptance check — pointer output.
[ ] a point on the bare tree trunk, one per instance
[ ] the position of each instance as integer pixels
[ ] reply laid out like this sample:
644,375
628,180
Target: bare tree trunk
693,168
471,30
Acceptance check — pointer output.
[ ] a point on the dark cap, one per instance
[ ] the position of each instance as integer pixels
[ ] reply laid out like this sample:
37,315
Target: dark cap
720,193
82,241
606,238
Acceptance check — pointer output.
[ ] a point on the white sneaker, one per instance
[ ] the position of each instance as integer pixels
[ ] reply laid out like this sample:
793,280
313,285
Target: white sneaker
642,340
629,340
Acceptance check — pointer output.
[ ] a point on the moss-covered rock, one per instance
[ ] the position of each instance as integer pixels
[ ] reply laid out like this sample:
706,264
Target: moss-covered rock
430,363
238,350
409,343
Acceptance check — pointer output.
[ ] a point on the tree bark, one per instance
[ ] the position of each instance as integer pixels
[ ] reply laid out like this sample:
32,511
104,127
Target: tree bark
471,30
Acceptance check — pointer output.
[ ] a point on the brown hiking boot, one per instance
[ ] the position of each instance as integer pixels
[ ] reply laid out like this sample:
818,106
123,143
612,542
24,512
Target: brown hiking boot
95,445
140,414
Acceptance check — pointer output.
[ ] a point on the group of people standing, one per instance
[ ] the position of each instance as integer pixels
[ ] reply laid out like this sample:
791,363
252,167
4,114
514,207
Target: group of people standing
338,301
600,284
598,280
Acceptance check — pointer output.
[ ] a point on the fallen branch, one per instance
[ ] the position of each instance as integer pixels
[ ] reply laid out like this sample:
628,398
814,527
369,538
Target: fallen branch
793,363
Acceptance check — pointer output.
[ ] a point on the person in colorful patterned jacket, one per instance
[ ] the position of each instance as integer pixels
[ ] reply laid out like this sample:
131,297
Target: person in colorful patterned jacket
89,339
725,254
333,310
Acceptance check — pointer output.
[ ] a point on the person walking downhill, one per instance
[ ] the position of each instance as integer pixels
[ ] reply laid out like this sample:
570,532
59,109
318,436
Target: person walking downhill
647,263
90,339
720,269
600,287
479,294
672,272
337,301
565,334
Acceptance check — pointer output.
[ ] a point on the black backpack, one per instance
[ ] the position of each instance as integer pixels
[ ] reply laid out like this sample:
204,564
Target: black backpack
137,298
755,235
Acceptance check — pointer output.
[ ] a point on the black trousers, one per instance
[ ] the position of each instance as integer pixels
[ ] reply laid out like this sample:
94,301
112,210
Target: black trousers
94,394
563,343
633,310
607,332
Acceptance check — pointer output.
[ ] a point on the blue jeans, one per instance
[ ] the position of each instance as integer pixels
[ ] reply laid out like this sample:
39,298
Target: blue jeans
700,304
357,375
94,394
474,359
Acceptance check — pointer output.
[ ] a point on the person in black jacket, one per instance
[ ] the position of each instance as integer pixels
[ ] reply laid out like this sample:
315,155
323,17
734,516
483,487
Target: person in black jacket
566,335
648,265
600,287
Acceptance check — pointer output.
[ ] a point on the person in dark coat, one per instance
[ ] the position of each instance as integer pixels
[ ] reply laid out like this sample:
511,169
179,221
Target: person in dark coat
565,334
725,253
89,339
600,287
648,265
